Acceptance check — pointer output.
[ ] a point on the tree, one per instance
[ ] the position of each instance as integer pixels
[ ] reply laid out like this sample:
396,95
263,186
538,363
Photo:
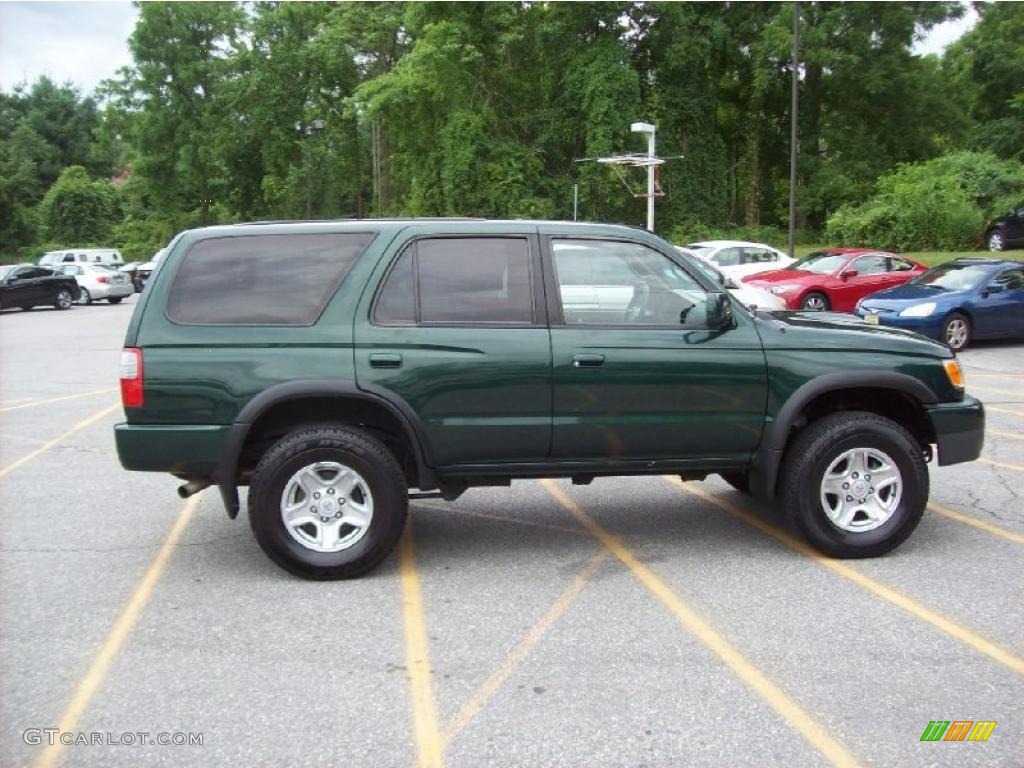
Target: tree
78,211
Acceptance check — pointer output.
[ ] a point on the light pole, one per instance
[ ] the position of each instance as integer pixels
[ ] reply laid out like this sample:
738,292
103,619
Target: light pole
308,130
793,115
649,130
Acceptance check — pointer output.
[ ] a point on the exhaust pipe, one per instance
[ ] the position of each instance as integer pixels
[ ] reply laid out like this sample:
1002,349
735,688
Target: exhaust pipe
194,486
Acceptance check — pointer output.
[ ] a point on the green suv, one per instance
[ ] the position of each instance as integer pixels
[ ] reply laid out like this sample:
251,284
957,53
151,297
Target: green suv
333,366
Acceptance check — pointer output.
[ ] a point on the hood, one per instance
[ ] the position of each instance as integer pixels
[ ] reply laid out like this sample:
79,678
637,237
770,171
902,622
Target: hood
776,276
838,332
903,295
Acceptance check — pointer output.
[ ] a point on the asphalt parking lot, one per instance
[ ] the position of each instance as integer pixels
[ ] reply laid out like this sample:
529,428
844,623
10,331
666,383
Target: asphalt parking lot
633,622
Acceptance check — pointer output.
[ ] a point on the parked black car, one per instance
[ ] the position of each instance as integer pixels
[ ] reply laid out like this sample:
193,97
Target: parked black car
1006,231
25,286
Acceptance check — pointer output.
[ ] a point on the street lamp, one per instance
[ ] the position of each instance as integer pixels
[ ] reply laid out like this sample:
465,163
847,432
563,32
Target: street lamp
649,130
309,130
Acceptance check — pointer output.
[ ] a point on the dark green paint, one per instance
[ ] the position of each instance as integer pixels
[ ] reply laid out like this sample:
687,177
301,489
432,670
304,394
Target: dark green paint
506,398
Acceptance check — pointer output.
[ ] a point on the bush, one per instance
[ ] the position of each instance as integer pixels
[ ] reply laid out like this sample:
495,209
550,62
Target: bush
79,211
941,204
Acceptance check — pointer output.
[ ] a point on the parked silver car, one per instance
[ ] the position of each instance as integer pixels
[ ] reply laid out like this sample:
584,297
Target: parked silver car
98,282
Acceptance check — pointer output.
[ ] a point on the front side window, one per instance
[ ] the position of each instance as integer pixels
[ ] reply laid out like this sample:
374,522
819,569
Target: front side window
262,279
1012,279
605,282
869,265
459,280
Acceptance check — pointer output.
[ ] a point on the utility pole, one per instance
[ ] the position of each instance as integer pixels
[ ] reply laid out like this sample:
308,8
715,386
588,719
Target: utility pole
649,130
793,149
307,131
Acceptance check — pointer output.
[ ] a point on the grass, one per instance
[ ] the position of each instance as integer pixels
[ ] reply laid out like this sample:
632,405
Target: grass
929,258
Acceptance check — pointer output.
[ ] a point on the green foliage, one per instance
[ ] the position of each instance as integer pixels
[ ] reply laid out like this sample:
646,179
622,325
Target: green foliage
79,211
940,204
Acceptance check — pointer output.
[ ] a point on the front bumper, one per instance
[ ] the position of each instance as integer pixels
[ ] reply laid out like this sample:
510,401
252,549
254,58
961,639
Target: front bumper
959,429
930,326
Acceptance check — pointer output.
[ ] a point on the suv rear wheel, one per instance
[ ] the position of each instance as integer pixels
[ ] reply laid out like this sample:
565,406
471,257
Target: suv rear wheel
328,502
856,484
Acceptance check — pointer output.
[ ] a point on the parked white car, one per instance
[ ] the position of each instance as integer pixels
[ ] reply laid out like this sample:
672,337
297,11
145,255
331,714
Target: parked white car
109,256
739,259
751,296
96,282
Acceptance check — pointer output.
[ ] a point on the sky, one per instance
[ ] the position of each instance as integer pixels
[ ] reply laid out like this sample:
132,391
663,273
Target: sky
86,42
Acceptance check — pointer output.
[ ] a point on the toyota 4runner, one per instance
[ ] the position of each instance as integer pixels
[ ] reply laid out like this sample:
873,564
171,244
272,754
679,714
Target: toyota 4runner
334,366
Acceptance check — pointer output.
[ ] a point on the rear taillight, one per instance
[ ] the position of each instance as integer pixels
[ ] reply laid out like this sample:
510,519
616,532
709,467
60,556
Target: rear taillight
103,279
131,377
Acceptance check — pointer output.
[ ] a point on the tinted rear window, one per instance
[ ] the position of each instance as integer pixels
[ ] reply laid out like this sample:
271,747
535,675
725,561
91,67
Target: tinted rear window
262,279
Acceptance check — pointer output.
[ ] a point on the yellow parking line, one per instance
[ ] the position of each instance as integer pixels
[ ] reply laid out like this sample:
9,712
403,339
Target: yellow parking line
15,401
995,530
49,400
429,744
502,518
792,712
97,671
1003,464
998,390
998,409
482,695
886,593
1011,435
50,443
997,375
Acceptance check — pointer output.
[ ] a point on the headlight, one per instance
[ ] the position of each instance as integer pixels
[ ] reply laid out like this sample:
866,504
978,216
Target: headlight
919,310
777,289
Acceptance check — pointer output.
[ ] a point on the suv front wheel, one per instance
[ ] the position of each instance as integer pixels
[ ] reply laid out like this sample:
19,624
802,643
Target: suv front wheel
328,502
856,484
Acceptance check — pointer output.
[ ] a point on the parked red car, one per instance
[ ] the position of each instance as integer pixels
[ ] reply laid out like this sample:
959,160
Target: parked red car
836,278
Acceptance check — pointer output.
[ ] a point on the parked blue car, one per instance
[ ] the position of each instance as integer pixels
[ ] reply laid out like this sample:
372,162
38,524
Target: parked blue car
955,302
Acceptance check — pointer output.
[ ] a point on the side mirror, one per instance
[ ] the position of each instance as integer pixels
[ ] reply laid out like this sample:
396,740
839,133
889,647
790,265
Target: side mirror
719,311
849,273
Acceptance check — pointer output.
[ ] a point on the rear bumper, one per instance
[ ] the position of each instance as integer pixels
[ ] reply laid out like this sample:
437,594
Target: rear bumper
959,429
119,290
193,450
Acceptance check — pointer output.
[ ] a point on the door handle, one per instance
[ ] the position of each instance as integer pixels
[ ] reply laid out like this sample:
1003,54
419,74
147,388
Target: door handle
587,361
385,360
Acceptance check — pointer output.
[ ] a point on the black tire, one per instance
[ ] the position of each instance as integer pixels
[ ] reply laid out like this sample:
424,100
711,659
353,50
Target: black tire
810,302
63,299
115,299
995,240
355,449
956,331
84,297
26,307
738,480
808,459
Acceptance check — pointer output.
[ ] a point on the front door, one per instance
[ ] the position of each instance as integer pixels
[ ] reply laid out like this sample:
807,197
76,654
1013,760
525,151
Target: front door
458,331
871,275
638,374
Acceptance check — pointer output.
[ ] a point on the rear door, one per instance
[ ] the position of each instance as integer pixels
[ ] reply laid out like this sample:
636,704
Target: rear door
646,379
455,325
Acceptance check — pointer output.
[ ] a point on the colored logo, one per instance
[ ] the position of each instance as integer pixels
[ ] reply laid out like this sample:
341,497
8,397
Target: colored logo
958,730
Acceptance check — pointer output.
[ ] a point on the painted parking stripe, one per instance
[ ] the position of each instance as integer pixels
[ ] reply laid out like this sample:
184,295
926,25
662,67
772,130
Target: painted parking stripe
998,390
1011,435
792,712
999,409
995,530
1003,464
55,441
482,695
426,734
122,628
950,627
47,401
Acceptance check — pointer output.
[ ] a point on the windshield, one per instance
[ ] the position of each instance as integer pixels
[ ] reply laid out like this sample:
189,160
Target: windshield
953,277
820,262
5,271
700,250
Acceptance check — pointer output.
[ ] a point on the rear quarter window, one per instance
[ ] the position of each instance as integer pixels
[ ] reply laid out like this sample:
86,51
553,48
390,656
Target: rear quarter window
262,279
